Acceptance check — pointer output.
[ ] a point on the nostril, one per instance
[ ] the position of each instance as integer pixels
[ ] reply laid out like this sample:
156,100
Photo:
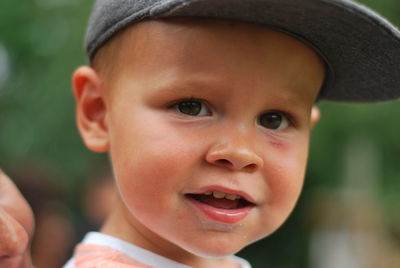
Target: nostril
250,167
234,158
224,162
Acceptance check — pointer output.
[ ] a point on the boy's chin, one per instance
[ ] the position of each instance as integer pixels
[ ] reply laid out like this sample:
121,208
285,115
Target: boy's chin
217,245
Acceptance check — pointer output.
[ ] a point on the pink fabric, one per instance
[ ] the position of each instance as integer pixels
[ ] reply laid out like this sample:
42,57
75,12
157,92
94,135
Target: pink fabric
95,256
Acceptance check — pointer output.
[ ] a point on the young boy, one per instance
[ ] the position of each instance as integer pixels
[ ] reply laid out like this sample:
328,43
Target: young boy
206,108
206,114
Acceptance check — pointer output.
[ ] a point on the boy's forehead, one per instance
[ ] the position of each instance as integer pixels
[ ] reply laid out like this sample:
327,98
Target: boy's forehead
199,51
168,35
175,29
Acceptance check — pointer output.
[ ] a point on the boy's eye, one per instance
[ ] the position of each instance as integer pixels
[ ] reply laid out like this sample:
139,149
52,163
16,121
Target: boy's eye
273,120
192,108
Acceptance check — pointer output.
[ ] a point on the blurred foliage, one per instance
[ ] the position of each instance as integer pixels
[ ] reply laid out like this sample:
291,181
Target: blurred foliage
41,43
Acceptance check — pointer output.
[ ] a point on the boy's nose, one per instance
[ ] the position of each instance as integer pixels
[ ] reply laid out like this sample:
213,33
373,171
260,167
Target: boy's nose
236,154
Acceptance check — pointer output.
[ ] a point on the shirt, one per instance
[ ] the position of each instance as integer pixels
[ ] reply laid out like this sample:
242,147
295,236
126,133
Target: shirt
101,250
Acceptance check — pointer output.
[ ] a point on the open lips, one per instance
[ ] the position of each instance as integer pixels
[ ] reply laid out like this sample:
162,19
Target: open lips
221,200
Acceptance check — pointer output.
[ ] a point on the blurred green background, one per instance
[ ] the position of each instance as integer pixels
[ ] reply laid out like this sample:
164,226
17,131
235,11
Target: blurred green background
41,42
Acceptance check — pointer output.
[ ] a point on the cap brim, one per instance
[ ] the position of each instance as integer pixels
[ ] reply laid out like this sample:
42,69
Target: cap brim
360,48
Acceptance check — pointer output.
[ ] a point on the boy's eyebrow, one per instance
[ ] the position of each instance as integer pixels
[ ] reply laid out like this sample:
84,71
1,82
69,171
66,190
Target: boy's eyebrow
192,86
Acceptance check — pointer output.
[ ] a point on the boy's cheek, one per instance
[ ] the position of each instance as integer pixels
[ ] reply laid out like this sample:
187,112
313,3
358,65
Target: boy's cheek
288,191
284,176
153,164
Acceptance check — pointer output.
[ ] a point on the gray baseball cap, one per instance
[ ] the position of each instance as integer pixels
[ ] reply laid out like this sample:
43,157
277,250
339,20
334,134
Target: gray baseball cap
360,48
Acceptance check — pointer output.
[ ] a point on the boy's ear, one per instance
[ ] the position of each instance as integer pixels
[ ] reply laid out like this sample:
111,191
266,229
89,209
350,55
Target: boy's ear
315,115
90,109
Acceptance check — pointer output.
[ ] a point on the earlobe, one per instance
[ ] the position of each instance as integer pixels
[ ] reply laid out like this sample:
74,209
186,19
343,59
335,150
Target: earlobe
315,115
91,112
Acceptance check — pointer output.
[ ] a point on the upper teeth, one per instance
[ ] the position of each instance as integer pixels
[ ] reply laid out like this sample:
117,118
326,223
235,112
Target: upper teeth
219,195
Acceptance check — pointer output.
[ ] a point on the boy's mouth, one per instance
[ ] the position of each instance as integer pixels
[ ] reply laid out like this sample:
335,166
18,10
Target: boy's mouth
221,200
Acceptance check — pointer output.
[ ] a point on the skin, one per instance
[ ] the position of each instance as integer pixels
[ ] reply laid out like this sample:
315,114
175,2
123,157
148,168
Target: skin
16,226
159,154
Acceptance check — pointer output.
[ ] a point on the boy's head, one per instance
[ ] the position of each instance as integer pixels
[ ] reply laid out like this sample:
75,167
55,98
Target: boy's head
207,121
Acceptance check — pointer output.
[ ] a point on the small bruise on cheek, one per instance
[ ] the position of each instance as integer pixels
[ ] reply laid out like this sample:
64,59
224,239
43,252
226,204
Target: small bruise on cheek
287,143
279,145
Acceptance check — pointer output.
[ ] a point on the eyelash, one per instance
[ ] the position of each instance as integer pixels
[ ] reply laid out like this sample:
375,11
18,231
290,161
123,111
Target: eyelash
286,117
192,101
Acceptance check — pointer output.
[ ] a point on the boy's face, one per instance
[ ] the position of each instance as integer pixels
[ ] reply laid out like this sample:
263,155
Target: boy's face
199,110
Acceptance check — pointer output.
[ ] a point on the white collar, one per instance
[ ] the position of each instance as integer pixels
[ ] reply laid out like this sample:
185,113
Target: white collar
142,255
